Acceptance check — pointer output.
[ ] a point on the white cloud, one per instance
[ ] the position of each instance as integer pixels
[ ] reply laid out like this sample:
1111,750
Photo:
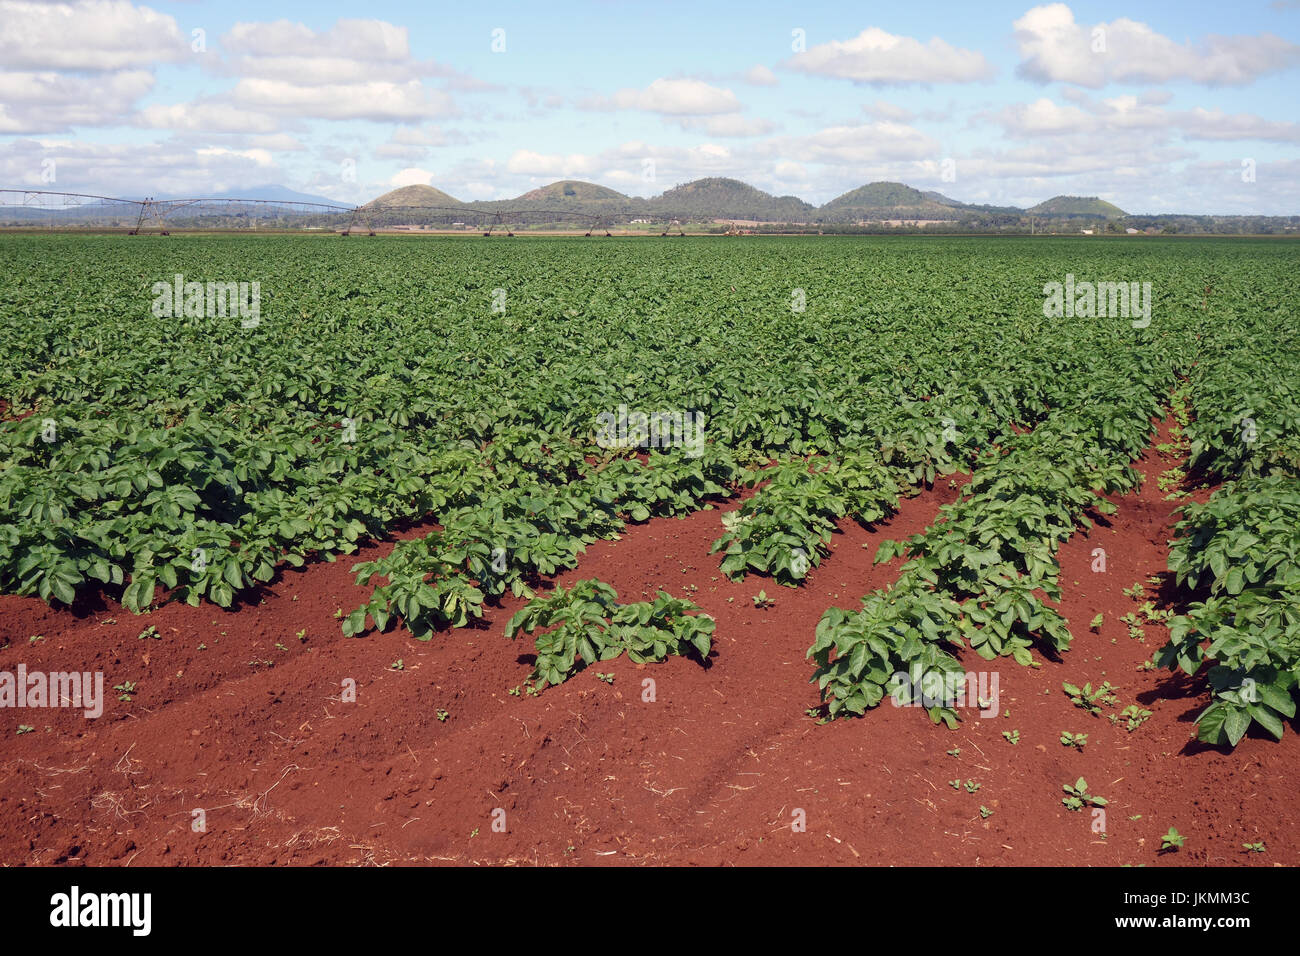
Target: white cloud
415,142
679,97
528,163
261,157
853,145
1217,125
398,151
1120,116
1043,117
356,69
52,101
350,51
374,99
888,111
373,41
212,117
280,142
760,76
87,35
412,176
1053,47
83,63
477,190
132,169
883,59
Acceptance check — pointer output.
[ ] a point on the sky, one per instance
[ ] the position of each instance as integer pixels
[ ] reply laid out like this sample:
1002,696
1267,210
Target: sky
1155,106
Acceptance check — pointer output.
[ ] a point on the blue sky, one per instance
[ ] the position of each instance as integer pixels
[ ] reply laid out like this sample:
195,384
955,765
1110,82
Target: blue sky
1158,107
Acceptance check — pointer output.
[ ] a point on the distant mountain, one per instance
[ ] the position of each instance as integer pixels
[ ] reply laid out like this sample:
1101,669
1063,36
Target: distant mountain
126,212
566,196
886,200
571,192
1077,206
573,203
272,192
416,195
942,199
717,198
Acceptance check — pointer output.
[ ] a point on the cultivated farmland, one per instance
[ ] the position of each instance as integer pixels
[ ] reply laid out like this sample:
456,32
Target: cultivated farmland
651,551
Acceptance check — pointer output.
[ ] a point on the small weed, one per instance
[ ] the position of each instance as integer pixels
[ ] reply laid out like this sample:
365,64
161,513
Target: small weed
1078,796
1133,716
1090,700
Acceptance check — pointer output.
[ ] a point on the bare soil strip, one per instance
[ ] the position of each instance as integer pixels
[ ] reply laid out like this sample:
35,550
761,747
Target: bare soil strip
253,731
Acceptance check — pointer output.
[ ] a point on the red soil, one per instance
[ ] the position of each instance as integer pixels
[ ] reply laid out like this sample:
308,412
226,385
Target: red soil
252,730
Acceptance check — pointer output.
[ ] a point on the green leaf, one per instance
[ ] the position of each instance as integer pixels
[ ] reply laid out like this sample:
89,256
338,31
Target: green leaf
1235,723
1267,719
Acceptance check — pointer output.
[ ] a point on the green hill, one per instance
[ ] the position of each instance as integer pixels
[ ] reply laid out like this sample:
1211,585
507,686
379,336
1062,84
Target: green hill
568,195
717,198
1077,206
570,192
704,200
888,201
414,196
941,199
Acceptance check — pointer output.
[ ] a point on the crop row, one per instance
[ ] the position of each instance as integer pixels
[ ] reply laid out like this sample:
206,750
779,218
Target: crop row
1239,552
462,385
503,539
971,578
